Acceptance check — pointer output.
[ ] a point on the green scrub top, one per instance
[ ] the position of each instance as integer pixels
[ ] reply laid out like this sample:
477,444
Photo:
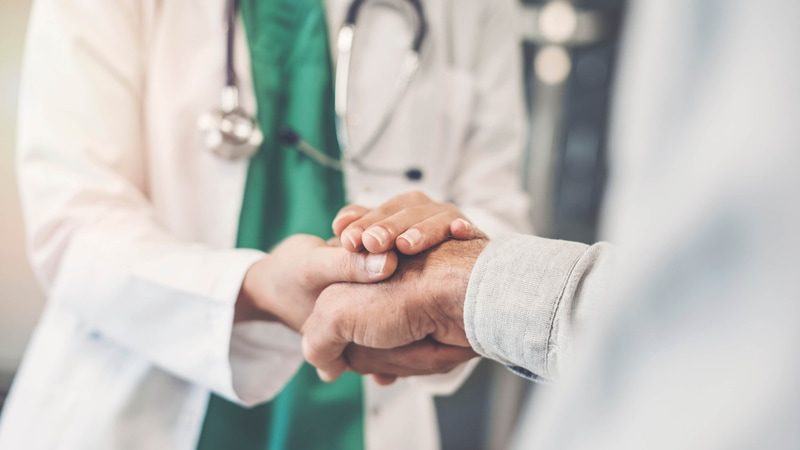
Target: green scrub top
286,193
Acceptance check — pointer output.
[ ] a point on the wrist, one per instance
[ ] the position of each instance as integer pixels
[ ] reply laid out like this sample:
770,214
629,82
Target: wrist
451,284
451,293
253,302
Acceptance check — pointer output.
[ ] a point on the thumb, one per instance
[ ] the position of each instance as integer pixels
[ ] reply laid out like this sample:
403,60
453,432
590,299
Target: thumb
336,265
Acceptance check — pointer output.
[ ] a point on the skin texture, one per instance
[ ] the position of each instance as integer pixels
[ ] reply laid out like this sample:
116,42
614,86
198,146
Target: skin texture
284,285
418,313
411,223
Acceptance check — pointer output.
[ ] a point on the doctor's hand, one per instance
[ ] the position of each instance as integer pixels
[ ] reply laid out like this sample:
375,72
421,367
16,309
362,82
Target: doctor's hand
418,313
411,222
284,285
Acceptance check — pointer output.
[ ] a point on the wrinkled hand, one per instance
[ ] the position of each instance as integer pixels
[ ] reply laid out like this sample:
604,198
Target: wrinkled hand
418,312
411,223
426,357
284,285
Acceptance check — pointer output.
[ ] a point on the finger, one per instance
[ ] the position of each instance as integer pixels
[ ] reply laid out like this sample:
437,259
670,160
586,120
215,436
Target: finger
428,233
382,235
360,314
420,358
464,230
420,361
327,332
329,366
352,234
327,265
346,216
383,380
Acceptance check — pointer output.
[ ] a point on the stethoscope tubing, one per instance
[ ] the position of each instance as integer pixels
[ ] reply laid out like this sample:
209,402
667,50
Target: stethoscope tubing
344,46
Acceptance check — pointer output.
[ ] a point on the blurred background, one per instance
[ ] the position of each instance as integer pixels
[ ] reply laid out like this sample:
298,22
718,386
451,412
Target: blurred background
569,50
20,299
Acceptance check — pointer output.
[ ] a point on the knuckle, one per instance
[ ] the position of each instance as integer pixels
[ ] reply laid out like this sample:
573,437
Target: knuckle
325,307
421,210
418,197
357,226
348,265
354,229
311,350
332,313
389,226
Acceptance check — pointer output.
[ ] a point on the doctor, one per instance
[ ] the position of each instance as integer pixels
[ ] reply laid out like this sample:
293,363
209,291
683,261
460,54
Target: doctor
164,314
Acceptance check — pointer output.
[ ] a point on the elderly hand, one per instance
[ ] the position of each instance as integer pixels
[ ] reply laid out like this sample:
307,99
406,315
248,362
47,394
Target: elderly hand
422,303
284,285
411,222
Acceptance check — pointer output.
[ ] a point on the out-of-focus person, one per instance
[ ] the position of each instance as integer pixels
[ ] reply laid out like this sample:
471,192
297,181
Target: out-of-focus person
696,346
701,346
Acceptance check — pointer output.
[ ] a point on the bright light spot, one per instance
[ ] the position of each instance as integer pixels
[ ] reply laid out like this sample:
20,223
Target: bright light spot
558,21
553,64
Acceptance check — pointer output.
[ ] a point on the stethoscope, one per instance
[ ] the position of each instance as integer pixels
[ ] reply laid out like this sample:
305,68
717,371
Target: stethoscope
232,133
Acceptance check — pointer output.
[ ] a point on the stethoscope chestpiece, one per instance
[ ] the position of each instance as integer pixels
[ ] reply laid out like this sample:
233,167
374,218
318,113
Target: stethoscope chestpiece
229,131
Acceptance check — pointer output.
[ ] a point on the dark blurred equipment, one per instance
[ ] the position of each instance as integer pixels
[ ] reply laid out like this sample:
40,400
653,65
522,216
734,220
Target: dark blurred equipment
570,50
5,384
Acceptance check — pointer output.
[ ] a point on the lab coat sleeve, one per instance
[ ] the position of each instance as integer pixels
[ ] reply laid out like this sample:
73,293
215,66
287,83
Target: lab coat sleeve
488,183
487,187
528,296
95,240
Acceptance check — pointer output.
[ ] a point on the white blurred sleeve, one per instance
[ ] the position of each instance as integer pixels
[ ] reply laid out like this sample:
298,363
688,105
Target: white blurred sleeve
95,240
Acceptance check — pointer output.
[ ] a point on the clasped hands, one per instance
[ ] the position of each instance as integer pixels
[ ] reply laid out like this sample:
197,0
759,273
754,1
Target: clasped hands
384,298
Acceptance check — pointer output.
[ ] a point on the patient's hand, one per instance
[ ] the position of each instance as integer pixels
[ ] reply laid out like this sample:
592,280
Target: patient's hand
410,222
425,357
397,320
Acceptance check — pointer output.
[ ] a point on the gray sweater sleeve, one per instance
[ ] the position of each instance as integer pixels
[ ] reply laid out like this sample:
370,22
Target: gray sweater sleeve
526,296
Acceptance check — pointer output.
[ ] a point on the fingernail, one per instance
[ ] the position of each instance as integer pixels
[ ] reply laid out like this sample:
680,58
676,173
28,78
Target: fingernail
324,376
463,223
376,263
412,236
379,234
348,236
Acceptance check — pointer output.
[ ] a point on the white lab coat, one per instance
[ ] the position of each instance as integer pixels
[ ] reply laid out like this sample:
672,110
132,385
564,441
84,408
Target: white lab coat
132,223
